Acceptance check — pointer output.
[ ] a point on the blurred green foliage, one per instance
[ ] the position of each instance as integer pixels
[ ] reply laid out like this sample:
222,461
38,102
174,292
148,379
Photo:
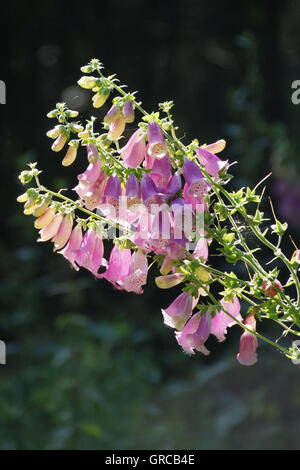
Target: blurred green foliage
92,368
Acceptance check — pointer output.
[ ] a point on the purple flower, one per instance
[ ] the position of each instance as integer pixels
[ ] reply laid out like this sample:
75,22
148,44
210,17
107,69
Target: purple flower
161,172
157,145
137,275
212,164
195,333
197,185
133,153
118,266
179,311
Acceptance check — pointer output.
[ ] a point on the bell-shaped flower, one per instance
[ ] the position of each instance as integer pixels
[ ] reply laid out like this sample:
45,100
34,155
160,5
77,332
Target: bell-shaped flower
69,252
157,145
133,153
212,164
180,310
92,153
150,193
112,115
92,194
221,321
64,232
111,197
247,355
91,174
161,172
50,230
90,253
133,191
137,275
118,266
195,333
198,187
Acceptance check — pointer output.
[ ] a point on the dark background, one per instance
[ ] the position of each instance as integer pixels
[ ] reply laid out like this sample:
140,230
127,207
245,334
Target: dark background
92,368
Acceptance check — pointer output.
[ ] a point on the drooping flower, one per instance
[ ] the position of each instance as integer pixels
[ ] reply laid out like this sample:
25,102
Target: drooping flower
170,280
50,230
90,253
179,311
137,275
157,145
197,185
116,128
201,249
195,333
111,197
45,218
112,115
212,164
71,154
69,252
150,194
161,172
128,111
247,355
221,321
133,153
118,266
64,232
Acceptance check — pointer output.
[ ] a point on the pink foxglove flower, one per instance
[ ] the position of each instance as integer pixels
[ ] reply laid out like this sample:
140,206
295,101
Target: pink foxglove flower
90,253
150,194
201,249
180,310
161,172
118,266
133,153
247,355
133,191
137,276
212,164
92,153
157,145
195,333
112,115
221,321
64,232
197,185
69,252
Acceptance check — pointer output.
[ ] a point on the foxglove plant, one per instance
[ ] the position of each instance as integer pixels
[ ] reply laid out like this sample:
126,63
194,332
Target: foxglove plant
164,202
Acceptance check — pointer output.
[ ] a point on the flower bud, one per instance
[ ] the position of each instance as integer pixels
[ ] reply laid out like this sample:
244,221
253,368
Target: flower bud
171,280
87,82
71,154
116,129
59,143
77,128
30,206
40,209
202,274
64,232
23,197
216,147
86,69
128,111
45,219
55,132
272,289
84,134
50,230
113,114
99,99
